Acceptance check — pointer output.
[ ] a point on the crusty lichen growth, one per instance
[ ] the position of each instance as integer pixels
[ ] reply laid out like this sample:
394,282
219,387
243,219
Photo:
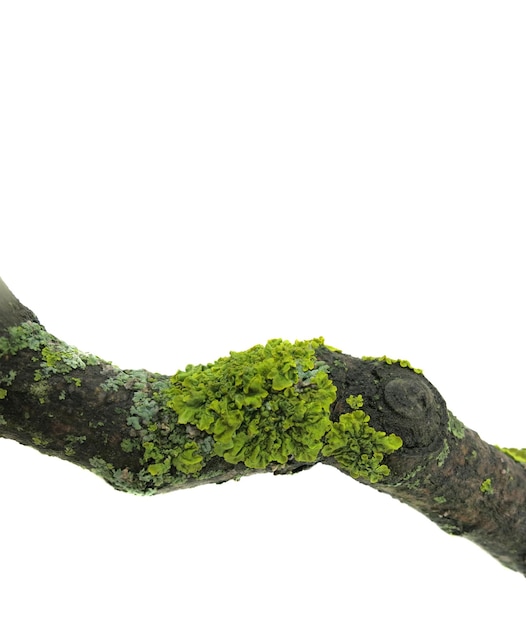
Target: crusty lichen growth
52,358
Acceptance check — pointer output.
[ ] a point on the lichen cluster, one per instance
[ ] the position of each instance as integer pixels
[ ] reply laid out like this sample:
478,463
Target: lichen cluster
262,408
51,357
265,405
167,456
55,356
358,447
271,404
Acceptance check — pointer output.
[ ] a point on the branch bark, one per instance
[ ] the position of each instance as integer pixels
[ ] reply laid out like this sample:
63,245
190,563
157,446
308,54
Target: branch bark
385,425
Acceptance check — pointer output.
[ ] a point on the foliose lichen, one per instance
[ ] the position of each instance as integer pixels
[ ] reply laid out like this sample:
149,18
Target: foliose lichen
261,408
517,454
6,381
55,356
455,426
389,361
486,486
358,447
266,405
168,454
271,404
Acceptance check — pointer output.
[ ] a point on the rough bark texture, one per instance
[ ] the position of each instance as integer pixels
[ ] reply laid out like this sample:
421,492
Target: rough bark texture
121,425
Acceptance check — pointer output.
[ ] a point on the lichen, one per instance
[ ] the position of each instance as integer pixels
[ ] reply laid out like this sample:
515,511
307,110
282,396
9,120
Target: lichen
269,404
389,361
455,426
56,356
7,380
121,479
261,409
443,454
517,454
40,390
486,486
359,448
40,441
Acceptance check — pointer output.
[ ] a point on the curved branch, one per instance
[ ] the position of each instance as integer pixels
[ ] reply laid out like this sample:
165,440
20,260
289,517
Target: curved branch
277,408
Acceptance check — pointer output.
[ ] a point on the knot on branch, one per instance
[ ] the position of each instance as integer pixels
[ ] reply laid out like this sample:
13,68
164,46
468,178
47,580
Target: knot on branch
413,400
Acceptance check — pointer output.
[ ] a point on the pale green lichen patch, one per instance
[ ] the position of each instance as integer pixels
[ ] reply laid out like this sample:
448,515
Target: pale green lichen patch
40,441
443,454
55,356
168,453
389,361
6,381
455,426
40,390
359,448
269,404
121,479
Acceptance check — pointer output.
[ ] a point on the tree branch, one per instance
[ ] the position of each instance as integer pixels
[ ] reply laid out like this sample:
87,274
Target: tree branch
278,408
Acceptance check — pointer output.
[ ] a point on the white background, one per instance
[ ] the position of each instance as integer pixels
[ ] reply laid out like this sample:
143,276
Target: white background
181,179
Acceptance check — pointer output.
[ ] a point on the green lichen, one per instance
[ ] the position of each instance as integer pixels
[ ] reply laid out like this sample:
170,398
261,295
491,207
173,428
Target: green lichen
40,390
72,441
40,440
517,454
444,453
486,486
359,448
269,404
389,361
127,445
53,355
186,458
121,479
455,426
16,338
7,380
261,408
440,499
169,452
410,480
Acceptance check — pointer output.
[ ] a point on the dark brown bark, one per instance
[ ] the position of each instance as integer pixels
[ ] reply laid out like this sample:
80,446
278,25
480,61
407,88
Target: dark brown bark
444,470
82,409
